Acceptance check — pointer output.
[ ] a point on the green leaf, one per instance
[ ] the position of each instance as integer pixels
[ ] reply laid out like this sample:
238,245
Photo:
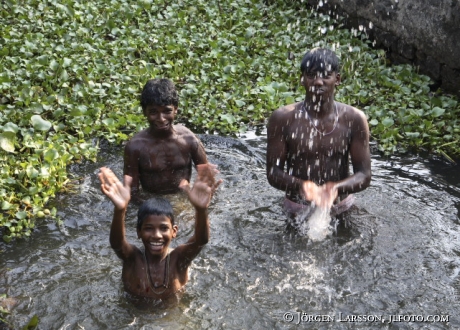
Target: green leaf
229,118
6,205
21,215
7,141
51,155
373,122
240,103
388,122
66,62
33,323
54,65
64,75
10,127
39,123
436,112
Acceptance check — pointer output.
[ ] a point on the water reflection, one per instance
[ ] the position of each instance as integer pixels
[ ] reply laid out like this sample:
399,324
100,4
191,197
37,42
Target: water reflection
401,256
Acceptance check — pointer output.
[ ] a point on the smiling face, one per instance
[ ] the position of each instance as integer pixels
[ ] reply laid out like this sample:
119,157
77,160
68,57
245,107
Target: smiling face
156,233
161,117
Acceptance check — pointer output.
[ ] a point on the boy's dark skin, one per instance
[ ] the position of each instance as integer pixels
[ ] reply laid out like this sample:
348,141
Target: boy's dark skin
156,233
308,149
160,156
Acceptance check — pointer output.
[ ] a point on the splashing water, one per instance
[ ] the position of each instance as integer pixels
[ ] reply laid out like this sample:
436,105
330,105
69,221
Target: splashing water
315,223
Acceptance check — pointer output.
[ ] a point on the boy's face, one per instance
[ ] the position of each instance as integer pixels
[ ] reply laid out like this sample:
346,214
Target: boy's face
160,117
320,83
156,233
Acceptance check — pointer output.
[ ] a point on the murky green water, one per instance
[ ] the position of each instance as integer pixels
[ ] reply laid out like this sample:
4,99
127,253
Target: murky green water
401,257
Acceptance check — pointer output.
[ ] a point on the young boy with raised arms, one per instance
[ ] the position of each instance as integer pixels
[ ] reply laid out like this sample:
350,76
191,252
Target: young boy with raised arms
155,271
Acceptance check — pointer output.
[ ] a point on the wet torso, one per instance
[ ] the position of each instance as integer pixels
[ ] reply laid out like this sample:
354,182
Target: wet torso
161,164
136,280
317,153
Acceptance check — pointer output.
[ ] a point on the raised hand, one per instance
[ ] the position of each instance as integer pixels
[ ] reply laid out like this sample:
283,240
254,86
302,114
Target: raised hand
119,193
204,187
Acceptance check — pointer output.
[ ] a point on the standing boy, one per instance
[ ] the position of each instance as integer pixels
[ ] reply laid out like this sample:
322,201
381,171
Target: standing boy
309,143
155,271
161,156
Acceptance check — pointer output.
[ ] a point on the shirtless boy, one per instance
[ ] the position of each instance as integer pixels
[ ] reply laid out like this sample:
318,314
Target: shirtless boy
161,155
155,271
309,143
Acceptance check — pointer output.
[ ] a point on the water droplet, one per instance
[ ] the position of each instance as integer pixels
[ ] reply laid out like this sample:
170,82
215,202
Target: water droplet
320,3
323,30
371,25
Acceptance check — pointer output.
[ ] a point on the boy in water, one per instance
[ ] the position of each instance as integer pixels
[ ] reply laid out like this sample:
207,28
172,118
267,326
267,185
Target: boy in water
309,143
161,156
156,271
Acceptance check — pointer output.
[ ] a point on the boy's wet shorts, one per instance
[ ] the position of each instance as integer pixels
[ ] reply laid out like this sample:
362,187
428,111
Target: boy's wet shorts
294,210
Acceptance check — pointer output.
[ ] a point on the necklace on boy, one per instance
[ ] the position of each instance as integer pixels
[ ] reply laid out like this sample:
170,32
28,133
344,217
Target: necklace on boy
152,285
336,120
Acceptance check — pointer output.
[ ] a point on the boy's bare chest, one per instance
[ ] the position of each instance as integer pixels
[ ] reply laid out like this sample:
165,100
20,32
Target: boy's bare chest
139,281
307,143
163,155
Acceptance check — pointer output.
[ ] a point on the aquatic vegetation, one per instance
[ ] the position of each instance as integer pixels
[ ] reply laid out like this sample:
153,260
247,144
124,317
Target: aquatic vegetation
72,71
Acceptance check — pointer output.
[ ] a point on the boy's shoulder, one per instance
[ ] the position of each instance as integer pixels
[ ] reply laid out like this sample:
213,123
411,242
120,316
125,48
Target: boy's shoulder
285,112
186,134
141,135
181,129
351,110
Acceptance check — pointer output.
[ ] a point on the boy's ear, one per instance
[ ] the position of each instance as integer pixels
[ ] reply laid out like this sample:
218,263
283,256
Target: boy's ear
338,79
175,229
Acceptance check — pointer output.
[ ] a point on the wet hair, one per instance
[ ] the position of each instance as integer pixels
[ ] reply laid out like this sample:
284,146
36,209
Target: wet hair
320,60
154,206
159,92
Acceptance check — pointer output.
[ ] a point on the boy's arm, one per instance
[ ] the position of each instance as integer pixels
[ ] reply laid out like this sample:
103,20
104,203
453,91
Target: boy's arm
198,152
277,154
360,157
200,197
131,165
119,194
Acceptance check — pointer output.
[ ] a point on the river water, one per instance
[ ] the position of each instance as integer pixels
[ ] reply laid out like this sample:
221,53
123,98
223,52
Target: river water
401,256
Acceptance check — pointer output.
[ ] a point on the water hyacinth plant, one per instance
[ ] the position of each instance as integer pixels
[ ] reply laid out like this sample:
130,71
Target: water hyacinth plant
71,73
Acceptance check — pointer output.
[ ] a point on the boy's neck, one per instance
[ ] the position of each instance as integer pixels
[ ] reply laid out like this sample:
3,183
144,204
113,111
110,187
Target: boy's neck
160,134
319,108
154,258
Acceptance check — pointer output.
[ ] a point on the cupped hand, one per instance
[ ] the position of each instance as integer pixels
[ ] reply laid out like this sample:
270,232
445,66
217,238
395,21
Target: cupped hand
323,196
118,192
